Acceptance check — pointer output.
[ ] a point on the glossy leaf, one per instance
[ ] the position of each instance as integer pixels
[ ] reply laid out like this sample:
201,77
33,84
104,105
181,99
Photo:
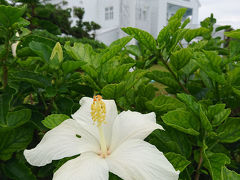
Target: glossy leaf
183,121
164,103
204,119
180,58
54,120
9,15
82,52
229,131
171,140
143,37
18,118
17,170
5,99
230,175
42,50
165,78
14,140
218,114
215,163
178,161
113,50
193,33
71,66
32,78
233,34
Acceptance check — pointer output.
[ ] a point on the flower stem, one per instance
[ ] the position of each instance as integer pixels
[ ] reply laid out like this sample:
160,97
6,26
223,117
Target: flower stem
4,63
197,175
102,141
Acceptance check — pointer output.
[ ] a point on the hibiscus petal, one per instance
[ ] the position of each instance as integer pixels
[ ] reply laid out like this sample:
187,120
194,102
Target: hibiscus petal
89,166
62,142
132,125
137,159
84,114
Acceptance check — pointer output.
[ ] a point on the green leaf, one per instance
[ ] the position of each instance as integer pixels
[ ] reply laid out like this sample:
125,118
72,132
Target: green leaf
148,91
134,50
185,23
178,161
5,99
193,33
71,66
220,28
112,91
117,74
217,114
190,102
134,78
181,58
171,140
16,170
229,131
51,92
36,121
204,120
165,78
230,175
9,15
18,118
183,121
42,50
143,37
54,120
215,163
114,49
178,15
113,177
92,83
208,65
64,105
234,76
233,34
82,52
14,140
90,70
20,24
32,78
164,104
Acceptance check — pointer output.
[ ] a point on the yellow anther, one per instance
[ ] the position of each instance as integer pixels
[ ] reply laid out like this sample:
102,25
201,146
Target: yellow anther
98,110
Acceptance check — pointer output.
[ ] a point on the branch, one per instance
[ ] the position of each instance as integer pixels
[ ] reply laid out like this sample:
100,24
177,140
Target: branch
199,165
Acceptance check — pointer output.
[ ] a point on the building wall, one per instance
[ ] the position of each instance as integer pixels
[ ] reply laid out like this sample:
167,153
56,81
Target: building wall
155,18
143,15
108,36
126,13
101,5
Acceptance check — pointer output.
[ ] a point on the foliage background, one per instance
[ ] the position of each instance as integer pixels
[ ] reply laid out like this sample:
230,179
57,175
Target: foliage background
194,90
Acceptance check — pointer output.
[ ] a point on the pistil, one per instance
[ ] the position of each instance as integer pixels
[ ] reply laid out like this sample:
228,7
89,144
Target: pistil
98,112
102,142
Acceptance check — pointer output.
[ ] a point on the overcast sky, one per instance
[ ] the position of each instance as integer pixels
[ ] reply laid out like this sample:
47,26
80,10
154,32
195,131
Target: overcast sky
227,12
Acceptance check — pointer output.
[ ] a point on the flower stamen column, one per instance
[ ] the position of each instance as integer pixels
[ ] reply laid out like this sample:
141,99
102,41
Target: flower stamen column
98,113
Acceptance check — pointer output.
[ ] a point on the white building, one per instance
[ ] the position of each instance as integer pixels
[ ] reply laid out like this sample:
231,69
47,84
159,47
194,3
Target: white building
149,15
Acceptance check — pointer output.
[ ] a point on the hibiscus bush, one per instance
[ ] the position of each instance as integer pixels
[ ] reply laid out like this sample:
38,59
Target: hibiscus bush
188,77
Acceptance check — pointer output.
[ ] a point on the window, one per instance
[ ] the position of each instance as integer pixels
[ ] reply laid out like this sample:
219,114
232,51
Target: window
142,13
109,13
172,9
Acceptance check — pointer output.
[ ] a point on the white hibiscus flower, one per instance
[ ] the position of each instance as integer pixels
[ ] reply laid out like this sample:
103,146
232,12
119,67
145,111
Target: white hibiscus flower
116,144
